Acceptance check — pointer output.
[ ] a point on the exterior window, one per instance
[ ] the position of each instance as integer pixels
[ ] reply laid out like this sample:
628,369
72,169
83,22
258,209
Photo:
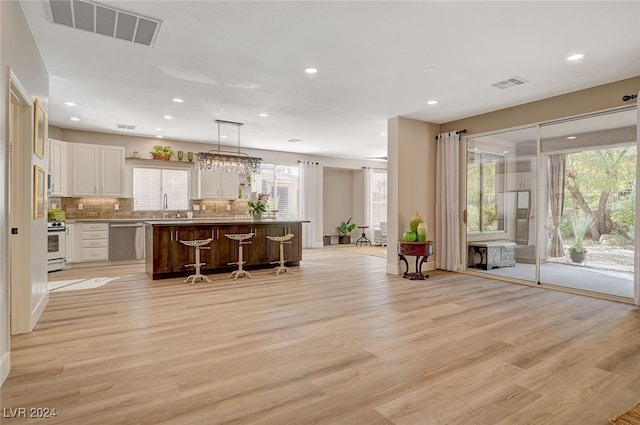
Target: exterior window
151,184
378,197
282,183
485,190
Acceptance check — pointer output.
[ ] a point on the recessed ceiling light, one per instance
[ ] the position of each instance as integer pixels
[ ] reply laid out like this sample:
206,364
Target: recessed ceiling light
325,150
168,117
159,129
432,102
311,70
383,134
430,69
74,118
263,115
223,137
68,103
571,137
159,136
575,57
177,100
294,140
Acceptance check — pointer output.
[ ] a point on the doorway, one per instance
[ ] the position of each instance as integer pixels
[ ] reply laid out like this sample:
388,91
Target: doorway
537,196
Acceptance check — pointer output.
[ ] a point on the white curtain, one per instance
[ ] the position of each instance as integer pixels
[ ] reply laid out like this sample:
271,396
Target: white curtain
308,207
637,252
368,174
447,246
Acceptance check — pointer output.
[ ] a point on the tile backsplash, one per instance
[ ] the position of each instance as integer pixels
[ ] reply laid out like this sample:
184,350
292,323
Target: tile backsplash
105,208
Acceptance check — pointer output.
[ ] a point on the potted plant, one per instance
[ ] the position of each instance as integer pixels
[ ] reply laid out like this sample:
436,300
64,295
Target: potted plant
580,224
161,152
345,228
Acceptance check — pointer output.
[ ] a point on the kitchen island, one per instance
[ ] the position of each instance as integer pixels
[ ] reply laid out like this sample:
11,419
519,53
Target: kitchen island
166,256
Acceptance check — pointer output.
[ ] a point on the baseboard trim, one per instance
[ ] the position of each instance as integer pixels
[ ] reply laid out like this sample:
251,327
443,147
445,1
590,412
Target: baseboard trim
37,312
393,269
5,367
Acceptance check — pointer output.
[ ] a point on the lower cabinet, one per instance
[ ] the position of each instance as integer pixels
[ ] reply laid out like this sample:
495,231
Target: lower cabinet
168,254
292,250
165,256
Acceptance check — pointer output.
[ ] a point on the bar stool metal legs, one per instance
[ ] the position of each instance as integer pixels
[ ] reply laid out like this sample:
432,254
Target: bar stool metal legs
242,240
198,244
282,240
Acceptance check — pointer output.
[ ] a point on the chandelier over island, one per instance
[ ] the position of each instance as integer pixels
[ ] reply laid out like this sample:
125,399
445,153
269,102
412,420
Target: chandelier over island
227,161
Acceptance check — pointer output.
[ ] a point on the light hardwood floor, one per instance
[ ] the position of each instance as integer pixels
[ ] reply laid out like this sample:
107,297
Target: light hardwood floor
337,342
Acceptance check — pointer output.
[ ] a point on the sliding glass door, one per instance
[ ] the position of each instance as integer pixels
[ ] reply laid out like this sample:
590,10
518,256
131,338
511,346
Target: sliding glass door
501,200
555,204
590,178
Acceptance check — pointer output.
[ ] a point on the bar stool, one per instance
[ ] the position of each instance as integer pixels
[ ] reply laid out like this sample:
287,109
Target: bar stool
363,239
283,240
242,240
198,245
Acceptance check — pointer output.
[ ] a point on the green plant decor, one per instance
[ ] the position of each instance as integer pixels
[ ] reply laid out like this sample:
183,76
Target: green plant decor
580,224
346,227
257,202
577,246
159,150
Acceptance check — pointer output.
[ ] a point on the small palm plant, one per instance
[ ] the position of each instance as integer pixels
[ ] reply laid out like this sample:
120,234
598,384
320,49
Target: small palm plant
580,224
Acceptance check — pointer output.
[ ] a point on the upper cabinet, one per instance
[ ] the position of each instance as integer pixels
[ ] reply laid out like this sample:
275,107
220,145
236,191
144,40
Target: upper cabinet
97,170
58,168
217,185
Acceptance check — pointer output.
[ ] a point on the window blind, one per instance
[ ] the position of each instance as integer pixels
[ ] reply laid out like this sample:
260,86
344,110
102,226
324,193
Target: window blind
282,183
151,184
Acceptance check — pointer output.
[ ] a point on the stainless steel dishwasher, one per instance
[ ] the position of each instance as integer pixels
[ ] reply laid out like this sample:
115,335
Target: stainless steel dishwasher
126,241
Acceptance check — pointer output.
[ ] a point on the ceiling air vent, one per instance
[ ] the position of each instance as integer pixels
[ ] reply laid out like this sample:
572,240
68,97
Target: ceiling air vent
105,20
125,127
509,82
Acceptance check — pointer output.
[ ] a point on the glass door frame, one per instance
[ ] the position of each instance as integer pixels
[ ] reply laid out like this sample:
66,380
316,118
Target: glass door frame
542,203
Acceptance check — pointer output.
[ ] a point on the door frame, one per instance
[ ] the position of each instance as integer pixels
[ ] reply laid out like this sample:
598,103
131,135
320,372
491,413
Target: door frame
20,130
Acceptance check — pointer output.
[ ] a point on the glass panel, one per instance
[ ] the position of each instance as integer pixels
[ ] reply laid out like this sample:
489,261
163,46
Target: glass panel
501,177
591,181
53,243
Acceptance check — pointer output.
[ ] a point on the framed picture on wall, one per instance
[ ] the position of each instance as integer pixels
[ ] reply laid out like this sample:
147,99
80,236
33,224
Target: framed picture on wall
38,192
39,129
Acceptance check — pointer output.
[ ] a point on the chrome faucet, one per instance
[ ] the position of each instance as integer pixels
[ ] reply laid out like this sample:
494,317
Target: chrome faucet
165,205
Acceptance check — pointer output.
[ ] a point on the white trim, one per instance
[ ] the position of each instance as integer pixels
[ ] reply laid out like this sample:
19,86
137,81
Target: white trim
39,309
5,366
395,270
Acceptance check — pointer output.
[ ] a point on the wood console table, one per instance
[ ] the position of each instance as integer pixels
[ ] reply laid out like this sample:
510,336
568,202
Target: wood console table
421,250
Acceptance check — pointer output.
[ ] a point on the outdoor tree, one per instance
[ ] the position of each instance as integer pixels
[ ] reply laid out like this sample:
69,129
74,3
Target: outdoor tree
602,184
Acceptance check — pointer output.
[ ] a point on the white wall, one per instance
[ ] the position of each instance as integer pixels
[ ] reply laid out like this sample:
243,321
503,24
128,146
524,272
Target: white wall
338,198
19,54
411,182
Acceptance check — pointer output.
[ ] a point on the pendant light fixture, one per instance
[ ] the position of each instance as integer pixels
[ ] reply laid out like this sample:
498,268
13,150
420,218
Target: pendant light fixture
226,161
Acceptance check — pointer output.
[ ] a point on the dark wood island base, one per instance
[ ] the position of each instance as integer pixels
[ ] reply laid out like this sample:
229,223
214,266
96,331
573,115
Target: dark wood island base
166,257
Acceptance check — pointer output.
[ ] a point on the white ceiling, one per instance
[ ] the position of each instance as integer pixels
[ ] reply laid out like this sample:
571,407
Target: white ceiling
233,60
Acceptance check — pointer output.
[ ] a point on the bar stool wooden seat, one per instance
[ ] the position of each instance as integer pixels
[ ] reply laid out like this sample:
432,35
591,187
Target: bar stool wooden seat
282,240
198,245
242,239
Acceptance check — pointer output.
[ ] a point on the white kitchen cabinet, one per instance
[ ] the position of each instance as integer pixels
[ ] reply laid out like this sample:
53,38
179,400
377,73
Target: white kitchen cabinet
58,168
97,170
70,242
218,185
95,241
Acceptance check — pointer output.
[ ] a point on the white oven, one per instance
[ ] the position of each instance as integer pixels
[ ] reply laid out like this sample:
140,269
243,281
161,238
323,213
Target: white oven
56,245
